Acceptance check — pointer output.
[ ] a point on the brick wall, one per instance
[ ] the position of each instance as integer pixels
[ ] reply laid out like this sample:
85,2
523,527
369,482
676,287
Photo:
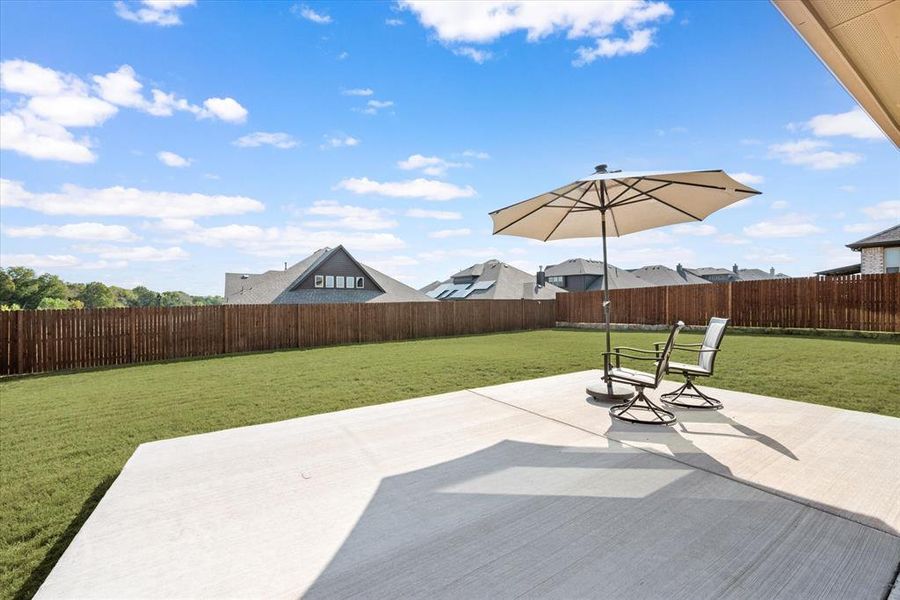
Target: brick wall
872,261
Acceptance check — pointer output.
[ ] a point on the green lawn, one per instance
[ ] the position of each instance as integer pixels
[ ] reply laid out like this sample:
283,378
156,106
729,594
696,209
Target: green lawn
64,438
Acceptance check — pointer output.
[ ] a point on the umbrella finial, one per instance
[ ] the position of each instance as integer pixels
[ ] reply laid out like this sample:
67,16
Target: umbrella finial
600,169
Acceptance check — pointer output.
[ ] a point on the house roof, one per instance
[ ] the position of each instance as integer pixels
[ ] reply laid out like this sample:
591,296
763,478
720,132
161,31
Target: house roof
618,278
758,274
848,270
275,287
663,275
857,41
885,239
507,283
701,271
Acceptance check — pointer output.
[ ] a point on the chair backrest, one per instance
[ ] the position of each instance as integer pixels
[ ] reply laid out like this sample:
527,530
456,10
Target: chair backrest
715,331
662,362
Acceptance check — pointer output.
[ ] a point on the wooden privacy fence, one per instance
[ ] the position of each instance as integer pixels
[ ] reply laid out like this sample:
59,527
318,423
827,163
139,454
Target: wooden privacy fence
866,303
36,341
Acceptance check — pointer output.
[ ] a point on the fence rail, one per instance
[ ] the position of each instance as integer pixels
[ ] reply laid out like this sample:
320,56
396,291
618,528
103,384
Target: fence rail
53,340
867,303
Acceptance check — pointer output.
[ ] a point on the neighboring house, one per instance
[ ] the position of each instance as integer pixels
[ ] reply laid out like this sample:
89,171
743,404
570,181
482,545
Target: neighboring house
583,274
662,275
758,274
490,280
328,276
880,252
715,274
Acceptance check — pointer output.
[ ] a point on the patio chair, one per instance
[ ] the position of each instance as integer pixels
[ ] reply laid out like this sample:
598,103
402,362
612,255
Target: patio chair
706,351
628,411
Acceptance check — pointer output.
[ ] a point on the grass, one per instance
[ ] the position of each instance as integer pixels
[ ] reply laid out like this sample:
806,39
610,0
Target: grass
64,438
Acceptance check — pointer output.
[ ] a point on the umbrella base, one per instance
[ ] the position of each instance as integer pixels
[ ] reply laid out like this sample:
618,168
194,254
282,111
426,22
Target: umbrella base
600,391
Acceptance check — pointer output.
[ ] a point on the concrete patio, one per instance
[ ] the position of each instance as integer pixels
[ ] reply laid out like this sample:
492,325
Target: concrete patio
518,490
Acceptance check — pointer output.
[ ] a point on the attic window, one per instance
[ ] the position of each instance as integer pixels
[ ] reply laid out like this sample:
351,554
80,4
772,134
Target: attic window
329,281
320,281
339,282
360,282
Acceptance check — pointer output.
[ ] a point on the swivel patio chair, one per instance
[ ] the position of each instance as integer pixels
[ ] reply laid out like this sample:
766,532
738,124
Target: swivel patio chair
640,403
706,351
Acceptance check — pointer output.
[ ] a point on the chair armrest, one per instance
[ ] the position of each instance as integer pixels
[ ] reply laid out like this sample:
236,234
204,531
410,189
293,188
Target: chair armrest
658,345
698,350
617,348
619,356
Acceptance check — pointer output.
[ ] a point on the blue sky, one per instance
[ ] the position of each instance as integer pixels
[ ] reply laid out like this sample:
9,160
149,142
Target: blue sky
167,143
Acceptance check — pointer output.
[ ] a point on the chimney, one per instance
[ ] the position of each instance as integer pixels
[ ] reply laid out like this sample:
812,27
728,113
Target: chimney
541,277
285,265
680,269
734,268
772,271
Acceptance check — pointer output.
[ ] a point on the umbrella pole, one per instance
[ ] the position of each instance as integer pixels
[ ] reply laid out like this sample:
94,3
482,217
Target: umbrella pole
606,304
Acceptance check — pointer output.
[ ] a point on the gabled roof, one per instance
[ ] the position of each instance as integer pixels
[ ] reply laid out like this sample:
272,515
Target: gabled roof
507,283
884,239
758,274
618,278
325,256
663,275
278,287
701,271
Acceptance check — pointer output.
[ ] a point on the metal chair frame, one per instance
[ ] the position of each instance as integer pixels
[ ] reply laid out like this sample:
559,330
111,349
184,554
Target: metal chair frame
640,401
689,389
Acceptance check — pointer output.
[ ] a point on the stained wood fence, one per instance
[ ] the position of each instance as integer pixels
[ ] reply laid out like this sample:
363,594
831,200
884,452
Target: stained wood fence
865,303
36,341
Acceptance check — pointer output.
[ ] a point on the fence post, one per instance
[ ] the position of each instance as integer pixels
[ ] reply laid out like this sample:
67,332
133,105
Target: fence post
668,318
729,305
20,341
133,327
224,329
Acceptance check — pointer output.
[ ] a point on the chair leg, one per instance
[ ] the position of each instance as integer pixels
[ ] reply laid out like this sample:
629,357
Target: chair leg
657,414
689,390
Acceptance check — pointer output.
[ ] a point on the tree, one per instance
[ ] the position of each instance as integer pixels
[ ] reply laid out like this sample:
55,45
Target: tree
58,303
7,288
144,296
176,299
97,295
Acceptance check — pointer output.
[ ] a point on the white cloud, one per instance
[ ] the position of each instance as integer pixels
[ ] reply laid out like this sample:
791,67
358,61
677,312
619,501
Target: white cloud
170,159
256,139
25,133
476,154
39,261
373,106
888,210
289,241
227,109
813,154
441,215
450,233
343,55
339,141
38,125
865,228
427,189
72,110
478,56
779,205
747,178
350,217
770,256
309,14
695,229
854,123
393,22
430,165
76,231
137,253
731,239
637,42
156,12
358,92
458,23
847,188
788,226
124,202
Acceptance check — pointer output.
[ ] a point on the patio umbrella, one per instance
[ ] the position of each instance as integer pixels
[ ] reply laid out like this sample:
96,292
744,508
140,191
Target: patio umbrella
616,203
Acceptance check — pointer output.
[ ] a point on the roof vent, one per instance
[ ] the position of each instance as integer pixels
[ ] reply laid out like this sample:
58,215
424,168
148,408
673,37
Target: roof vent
245,276
600,169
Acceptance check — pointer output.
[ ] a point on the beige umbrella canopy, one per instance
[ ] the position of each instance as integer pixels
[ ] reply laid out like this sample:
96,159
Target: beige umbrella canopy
617,203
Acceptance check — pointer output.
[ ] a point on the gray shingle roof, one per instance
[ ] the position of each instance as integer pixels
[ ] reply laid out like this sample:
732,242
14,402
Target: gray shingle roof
510,283
887,238
618,278
758,274
663,275
701,271
273,287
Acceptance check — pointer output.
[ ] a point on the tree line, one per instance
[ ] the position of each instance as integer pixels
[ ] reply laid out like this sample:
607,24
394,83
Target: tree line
22,288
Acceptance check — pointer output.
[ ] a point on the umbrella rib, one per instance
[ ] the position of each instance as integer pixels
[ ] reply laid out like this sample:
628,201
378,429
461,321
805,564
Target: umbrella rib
703,185
544,205
642,193
555,227
574,185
